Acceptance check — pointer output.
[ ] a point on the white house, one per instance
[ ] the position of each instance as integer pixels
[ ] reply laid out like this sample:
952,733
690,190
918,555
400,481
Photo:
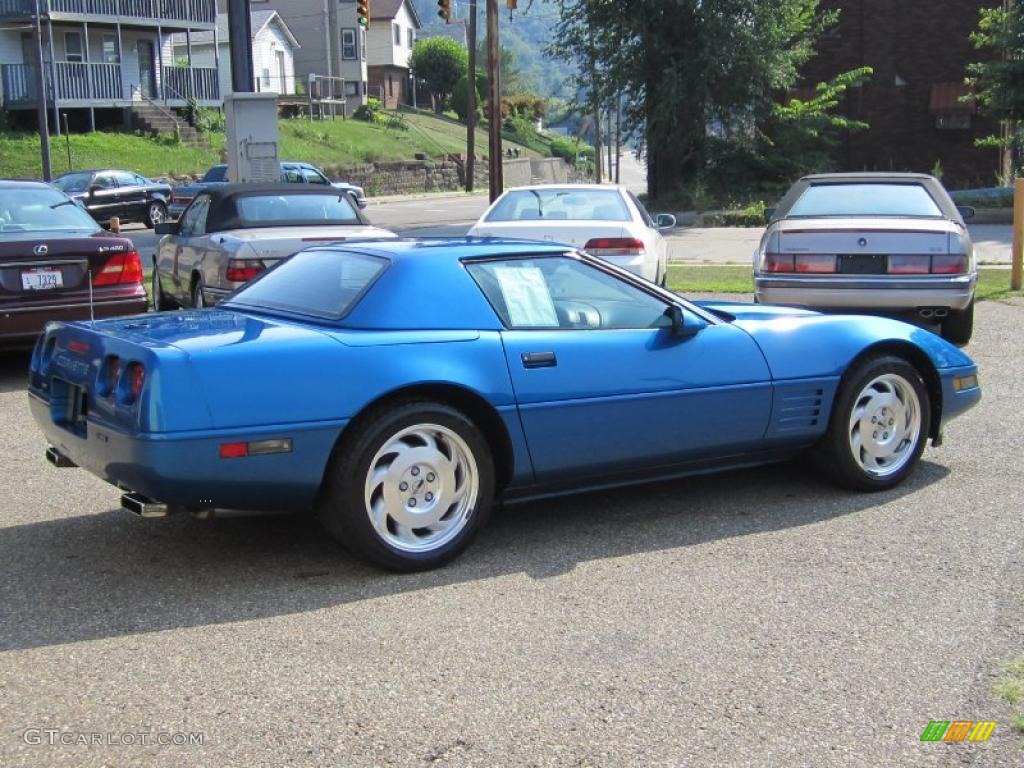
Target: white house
394,27
273,52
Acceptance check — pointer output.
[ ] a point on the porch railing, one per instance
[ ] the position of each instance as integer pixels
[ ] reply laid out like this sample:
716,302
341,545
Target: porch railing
203,11
75,81
19,83
15,9
199,83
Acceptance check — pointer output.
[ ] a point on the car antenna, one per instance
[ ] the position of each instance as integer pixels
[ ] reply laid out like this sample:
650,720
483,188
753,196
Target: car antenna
92,313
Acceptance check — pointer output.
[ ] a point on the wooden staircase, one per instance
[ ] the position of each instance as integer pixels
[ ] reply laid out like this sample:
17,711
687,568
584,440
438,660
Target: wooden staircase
157,121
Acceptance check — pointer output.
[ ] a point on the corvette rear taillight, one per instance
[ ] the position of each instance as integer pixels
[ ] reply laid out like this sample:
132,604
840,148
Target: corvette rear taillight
110,372
951,264
136,377
242,271
120,269
778,262
614,246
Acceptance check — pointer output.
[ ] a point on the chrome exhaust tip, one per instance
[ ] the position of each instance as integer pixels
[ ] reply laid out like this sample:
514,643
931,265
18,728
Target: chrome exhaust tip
927,314
142,506
940,313
58,459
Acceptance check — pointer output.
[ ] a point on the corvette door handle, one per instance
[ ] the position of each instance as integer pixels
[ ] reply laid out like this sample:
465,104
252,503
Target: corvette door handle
539,360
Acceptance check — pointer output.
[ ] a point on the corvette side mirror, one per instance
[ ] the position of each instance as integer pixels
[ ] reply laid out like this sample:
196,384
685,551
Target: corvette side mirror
680,329
167,228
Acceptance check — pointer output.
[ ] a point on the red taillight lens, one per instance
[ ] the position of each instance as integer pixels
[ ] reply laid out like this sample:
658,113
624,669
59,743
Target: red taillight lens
241,271
815,263
111,373
778,262
234,450
614,246
120,269
952,264
909,264
136,376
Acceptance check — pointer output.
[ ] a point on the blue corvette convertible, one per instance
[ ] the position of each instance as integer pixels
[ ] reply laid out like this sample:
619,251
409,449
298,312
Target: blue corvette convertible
399,387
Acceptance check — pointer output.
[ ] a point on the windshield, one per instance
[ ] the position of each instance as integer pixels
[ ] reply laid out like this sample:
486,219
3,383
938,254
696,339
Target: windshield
72,182
318,283
38,209
296,209
564,204
865,200
217,173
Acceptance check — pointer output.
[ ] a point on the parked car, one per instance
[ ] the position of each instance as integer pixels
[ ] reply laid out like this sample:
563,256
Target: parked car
604,221
231,233
291,173
399,386
50,252
124,194
890,242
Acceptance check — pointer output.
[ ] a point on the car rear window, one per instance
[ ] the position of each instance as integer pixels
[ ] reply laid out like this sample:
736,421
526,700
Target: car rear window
319,283
564,204
865,200
37,209
278,210
217,173
72,182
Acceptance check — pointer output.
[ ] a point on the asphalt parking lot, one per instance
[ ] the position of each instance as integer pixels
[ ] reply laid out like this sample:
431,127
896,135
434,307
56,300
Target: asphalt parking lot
760,618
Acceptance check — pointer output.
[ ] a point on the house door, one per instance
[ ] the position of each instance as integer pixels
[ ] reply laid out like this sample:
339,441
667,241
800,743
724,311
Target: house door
282,73
147,69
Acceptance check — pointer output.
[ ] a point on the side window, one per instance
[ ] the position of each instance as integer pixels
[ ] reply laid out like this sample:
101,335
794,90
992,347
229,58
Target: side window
292,175
643,211
125,179
193,221
105,181
564,293
313,176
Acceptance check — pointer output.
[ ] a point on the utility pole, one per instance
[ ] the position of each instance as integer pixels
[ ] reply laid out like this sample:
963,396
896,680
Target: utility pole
471,101
240,42
44,125
494,101
595,98
608,138
618,135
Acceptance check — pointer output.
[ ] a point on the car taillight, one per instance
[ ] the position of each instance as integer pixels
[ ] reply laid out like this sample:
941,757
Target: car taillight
614,246
120,269
135,376
242,271
109,374
951,264
778,262
817,263
909,264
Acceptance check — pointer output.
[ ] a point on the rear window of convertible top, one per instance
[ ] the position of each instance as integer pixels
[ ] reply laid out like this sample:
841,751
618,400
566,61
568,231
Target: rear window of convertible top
319,283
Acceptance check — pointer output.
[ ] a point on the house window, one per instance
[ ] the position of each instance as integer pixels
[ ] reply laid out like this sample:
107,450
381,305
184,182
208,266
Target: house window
412,38
266,78
391,86
953,122
398,34
110,53
351,89
348,44
73,46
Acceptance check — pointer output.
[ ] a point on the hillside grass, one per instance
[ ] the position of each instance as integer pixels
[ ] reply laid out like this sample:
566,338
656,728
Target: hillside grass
321,142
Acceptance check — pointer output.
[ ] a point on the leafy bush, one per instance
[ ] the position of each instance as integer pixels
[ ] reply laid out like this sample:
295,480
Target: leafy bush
372,112
571,149
751,216
460,92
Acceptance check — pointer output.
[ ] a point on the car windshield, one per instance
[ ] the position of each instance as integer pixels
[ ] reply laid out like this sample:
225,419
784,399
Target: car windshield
865,200
72,182
38,209
297,209
565,204
319,283
217,173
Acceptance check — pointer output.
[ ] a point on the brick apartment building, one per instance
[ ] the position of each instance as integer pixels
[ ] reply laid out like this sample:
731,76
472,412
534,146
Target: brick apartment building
919,50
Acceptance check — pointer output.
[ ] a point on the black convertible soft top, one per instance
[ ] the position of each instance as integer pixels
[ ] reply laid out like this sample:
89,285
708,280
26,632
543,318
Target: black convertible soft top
224,214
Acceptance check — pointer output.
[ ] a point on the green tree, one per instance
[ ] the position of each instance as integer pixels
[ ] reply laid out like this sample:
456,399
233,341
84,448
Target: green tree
998,82
460,93
689,65
439,62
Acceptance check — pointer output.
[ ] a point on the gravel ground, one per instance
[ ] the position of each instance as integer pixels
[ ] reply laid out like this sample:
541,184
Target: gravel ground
760,618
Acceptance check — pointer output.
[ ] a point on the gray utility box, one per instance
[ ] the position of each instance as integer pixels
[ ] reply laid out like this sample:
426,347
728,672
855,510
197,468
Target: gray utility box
251,138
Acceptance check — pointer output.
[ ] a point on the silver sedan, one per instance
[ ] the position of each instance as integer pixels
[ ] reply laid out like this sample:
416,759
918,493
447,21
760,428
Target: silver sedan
891,243
230,235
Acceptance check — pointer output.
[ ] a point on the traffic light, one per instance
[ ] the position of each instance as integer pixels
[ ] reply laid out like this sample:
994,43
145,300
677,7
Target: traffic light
444,10
363,12
511,4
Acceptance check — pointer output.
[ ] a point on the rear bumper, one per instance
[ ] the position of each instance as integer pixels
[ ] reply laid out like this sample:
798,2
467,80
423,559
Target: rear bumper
185,469
20,325
860,292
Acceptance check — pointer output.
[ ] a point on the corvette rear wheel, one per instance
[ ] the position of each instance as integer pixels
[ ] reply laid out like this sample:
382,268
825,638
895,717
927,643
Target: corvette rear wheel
410,487
879,425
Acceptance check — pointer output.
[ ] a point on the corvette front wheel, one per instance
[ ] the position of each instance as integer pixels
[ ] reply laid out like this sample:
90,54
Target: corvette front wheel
410,487
879,425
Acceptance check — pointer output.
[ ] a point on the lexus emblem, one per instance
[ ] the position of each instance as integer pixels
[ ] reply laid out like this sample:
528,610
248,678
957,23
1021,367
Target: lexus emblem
862,242
40,250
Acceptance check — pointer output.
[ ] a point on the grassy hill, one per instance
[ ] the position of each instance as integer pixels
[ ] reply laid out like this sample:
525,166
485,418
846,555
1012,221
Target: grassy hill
321,142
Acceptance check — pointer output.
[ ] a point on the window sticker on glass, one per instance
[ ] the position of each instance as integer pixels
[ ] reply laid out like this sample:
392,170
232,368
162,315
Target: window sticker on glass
526,297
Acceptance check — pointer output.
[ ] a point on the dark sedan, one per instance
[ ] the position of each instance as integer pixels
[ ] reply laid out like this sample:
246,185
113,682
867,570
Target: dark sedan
124,194
50,252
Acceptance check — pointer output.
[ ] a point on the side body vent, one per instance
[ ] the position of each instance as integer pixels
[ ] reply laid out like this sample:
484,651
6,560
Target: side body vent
801,408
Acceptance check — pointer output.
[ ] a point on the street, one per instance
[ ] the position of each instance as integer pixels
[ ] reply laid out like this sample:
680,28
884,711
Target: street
759,618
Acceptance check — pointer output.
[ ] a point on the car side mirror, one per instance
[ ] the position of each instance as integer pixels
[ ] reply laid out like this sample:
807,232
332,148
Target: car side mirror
769,214
664,221
680,329
967,212
167,228
94,188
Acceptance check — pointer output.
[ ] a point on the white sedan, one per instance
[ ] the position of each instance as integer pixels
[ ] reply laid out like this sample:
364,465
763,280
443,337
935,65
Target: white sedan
605,221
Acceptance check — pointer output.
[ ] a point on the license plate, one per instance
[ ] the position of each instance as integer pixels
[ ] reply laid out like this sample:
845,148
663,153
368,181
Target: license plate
41,279
863,264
